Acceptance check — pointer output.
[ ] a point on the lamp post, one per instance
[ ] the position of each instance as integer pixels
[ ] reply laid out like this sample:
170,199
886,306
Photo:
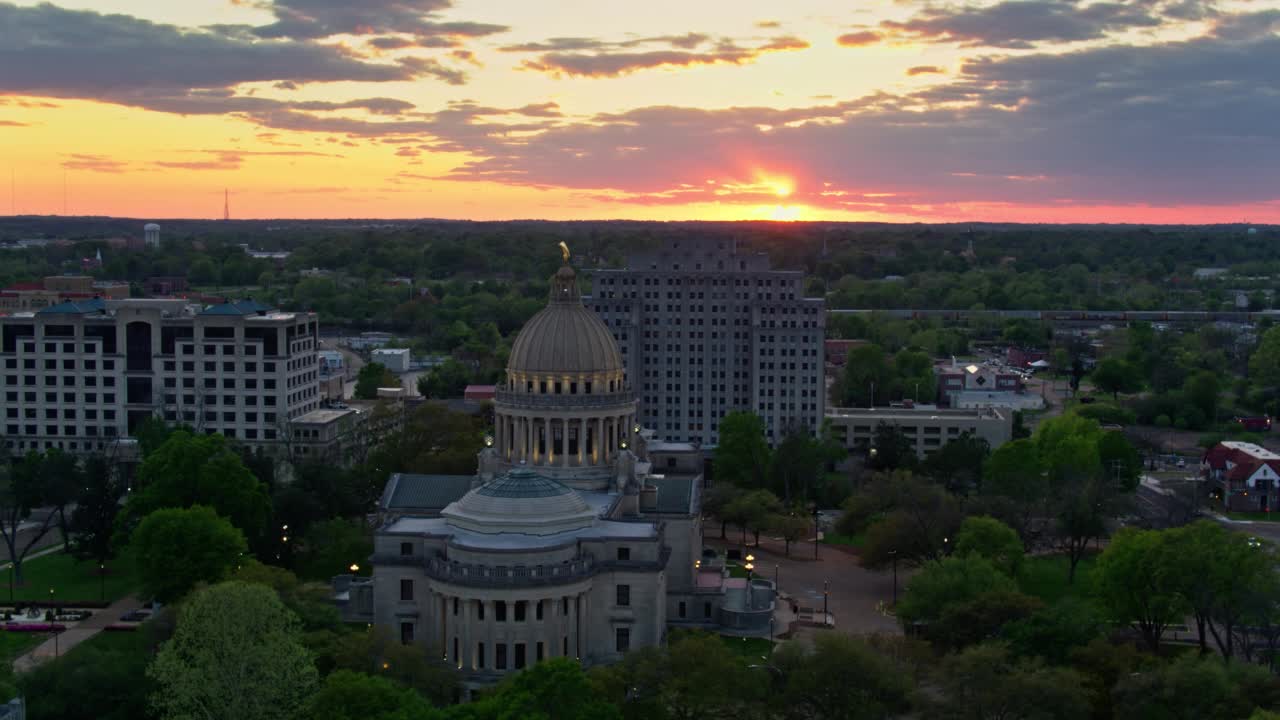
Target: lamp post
826,592
894,554
816,517
354,568
53,629
102,582
750,569
775,577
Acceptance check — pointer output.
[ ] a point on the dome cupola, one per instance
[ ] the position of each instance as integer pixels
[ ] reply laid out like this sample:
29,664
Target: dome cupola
520,501
564,338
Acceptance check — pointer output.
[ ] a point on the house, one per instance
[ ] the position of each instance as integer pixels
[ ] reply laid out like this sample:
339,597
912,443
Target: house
976,386
1023,357
837,351
1246,476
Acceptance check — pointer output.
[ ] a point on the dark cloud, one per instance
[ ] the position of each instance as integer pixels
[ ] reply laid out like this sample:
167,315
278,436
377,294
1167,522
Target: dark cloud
315,19
1022,24
1170,124
1247,26
610,59
925,70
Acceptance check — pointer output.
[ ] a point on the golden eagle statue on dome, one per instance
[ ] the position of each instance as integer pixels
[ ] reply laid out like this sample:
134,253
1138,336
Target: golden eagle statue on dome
564,251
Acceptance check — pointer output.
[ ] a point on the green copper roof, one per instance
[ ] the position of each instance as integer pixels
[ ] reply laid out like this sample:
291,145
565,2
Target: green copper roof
523,483
411,491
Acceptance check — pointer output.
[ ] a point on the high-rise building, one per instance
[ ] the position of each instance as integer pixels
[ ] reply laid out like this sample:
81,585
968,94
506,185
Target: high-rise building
79,375
705,330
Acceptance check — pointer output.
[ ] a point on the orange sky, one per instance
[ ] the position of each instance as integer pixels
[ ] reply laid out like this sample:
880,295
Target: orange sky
1130,111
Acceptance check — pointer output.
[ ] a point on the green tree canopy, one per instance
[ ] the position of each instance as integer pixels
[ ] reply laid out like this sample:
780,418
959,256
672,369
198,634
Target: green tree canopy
742,455
1116,376
371,377
200,470
985,683
991,539
177,548
841,678
330,547
236,654
555,689
1133,582
943,583
347,695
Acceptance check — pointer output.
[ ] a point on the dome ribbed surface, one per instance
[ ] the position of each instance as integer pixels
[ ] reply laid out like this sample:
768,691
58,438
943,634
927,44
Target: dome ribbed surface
520,501
564,337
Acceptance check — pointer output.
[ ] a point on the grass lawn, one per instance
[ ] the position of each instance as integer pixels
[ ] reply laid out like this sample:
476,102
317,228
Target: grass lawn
755,650
1045,576
72,580
838,539
1254,516
15,644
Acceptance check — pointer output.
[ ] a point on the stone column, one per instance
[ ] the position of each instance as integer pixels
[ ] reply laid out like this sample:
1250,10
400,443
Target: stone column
582,439
600,451
550,439
564,449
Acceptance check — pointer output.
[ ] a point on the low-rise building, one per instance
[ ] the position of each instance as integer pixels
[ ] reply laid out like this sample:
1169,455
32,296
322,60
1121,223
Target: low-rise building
927,426
55,289
1245,476
394,359
975,385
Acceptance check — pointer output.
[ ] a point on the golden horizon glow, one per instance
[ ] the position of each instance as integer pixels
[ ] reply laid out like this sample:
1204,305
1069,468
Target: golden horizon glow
672,111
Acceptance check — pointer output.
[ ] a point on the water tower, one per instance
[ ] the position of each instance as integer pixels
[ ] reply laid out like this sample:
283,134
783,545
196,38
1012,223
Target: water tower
151,234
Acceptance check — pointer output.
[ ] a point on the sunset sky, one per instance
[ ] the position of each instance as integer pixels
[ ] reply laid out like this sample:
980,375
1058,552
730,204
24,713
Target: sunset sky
1058,111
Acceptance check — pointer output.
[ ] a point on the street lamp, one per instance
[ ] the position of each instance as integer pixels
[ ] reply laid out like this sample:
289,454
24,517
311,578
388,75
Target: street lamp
750,568
826,592
102,582
53,629
894,554
354,568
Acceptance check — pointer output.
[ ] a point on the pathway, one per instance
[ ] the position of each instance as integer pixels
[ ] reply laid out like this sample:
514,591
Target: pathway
73,636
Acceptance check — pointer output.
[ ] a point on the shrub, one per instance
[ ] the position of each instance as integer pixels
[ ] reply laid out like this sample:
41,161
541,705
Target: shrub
1163,421
1107,414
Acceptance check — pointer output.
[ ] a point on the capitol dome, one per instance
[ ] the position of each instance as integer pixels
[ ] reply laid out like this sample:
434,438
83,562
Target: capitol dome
564,338
520,501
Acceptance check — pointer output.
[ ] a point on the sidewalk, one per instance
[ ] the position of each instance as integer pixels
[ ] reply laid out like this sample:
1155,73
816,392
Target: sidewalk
77,634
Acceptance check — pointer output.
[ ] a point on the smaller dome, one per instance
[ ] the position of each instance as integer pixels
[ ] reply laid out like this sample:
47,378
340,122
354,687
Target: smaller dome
520,501
151,226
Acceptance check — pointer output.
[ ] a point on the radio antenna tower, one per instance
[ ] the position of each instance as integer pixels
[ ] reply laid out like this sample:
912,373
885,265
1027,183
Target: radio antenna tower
226,205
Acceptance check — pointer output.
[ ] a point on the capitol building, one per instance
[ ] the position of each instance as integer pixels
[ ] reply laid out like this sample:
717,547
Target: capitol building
580,534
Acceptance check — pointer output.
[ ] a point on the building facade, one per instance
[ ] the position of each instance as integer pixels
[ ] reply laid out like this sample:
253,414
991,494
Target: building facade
25,297
926,426
972,386
566,542
704,331
78,375
1245,476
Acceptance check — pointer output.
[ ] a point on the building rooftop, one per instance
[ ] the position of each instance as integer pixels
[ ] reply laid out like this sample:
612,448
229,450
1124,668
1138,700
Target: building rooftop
675,493
239,307
411,491
1250,449
324,416
915,413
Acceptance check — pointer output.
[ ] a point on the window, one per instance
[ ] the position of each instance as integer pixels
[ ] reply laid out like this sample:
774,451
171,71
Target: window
519,656
706,610
406,589
521,607
500,662
565,646
564,606
622,639
406,633
538,653
406,549
500,611
455,650
538,611
681,609
624,554
480,655
455,612
624,595
479,610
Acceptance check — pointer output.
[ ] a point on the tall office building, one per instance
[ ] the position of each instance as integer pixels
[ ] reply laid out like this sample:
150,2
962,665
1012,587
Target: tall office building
79,375
705,330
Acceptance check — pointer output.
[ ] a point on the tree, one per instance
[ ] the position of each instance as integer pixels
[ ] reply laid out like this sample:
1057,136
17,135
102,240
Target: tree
694,676
1132,581
176,548
553,689
904,518
446,380
200,470
236,654
376,652
866,366
1201,390
1014,471
985,683
1193,687
61,480
21,491
1116,376
1120,460
96,510
347,695
979,619
1217,572
1054,632
842,678
754,510
991,539
330,547
1264,363
742,456
943,583
891,449
790,526
958,464
434,440
718,499
371,377
797,464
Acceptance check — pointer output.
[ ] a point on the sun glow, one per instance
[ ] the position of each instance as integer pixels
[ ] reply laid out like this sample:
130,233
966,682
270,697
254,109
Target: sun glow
785,213
779,185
